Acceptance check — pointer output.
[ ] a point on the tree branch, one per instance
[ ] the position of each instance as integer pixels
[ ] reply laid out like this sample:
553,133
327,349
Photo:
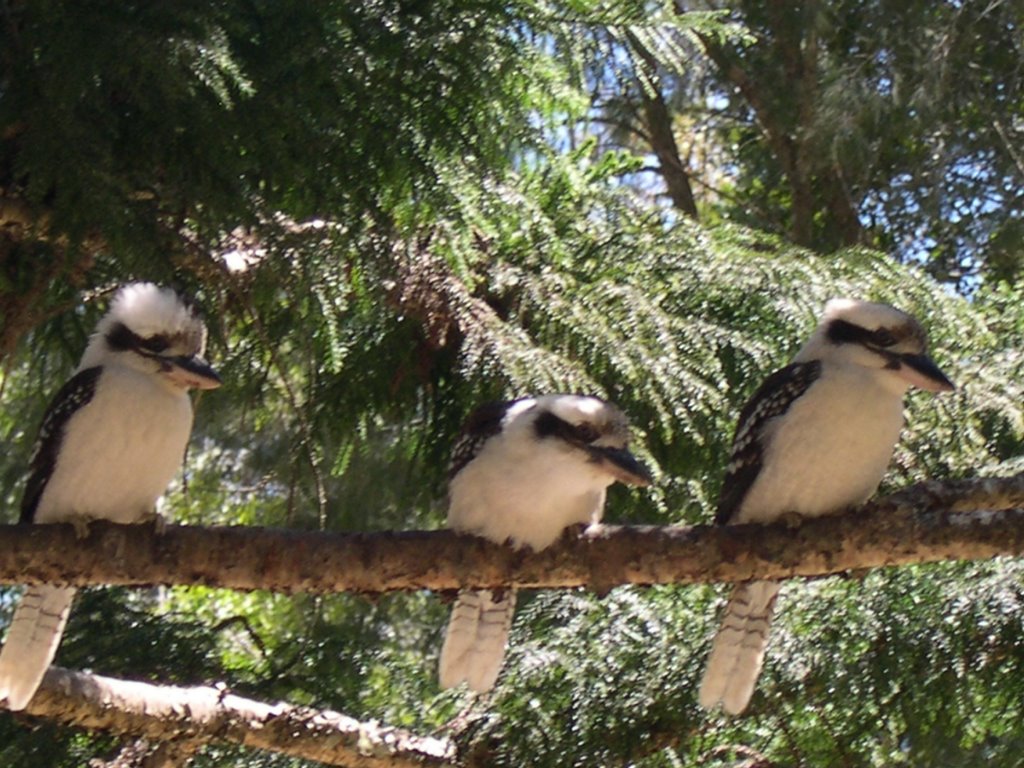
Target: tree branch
965,519
170,714
662,140
729,66
793,42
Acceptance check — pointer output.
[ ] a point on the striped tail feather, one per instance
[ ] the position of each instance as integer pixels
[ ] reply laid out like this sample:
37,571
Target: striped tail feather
737,652
32,642
474,645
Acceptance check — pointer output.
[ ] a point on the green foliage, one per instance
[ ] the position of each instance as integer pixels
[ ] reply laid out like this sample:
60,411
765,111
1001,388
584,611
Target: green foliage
860,121
113,631
227,110
919,666
418,237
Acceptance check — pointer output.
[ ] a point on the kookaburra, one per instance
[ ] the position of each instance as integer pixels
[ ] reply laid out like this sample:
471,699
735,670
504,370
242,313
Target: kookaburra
110,442
815,439
521,473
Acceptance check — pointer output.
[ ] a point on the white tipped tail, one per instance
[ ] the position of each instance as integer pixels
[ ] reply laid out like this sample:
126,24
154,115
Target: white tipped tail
474,645
32,642
737,652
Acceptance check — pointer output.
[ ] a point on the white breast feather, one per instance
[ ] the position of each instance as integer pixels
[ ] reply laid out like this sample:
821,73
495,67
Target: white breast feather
830,450
120,451
526,492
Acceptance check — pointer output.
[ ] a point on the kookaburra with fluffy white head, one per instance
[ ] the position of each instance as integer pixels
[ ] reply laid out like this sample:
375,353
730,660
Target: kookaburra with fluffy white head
521,473
110,442
815,439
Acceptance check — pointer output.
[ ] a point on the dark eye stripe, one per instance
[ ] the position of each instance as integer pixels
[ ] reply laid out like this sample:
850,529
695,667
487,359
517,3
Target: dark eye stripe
121,338
549,425
842,332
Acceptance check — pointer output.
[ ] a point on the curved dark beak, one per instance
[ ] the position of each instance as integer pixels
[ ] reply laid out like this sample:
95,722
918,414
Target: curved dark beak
622,465
191,372
922,372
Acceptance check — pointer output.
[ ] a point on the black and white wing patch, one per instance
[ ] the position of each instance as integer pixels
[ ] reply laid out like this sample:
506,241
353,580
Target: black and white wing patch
773,398
482,424
77,392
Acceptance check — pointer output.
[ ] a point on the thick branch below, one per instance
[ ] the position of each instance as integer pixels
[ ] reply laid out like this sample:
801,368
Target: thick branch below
969,519
199,715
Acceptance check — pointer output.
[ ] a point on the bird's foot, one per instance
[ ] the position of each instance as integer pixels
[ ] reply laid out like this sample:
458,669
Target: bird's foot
792,520
159,522
573,532
81,525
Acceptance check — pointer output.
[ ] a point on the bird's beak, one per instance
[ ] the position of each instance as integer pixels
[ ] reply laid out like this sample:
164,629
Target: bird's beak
922,372
191,372
622,465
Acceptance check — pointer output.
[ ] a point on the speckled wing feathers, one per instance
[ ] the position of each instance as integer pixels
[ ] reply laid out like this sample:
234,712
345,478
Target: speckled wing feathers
482,424
77,392
773,398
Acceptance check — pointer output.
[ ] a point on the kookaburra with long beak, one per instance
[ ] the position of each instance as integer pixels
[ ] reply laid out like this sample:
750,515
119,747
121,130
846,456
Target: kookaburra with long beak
815,439
521,473
110,442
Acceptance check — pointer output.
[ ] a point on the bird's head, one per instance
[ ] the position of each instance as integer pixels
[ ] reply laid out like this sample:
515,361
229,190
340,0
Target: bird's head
876,336
594,428
153,329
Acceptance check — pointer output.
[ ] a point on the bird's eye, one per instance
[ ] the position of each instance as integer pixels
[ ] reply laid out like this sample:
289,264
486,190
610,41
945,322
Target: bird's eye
155,344
884,338
586,432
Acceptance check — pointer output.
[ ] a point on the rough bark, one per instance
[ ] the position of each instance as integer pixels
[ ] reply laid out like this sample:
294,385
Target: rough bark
194,716
966,519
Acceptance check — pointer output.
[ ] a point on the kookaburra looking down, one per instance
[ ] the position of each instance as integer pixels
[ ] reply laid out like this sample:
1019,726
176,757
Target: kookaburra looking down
522,472
110,442
815,439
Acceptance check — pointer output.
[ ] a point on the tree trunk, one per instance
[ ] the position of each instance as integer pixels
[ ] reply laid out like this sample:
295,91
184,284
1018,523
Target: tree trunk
662,139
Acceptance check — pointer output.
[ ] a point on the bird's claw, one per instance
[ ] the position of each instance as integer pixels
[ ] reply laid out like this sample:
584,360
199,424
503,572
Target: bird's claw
159,522
81,525
792,520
